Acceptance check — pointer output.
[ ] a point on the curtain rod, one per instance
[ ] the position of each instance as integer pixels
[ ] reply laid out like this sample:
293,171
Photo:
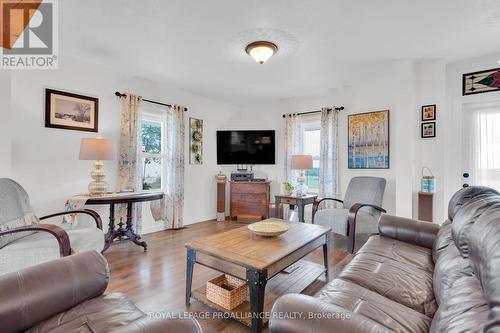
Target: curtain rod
119,94
339,108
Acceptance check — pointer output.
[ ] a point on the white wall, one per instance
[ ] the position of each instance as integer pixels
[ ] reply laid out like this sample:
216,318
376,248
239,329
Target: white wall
455,103
381,93
402,88
430,88
5,124
199,182
45,160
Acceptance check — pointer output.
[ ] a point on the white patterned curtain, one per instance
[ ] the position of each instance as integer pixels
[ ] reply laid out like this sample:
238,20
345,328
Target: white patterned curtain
329,163
173,204
293,142
129,166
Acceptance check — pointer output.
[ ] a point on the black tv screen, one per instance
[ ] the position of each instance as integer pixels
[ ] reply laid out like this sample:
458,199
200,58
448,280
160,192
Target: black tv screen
245,147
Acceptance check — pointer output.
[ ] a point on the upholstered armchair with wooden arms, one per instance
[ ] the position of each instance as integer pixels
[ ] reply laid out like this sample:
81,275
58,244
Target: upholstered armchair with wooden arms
360,211
25,241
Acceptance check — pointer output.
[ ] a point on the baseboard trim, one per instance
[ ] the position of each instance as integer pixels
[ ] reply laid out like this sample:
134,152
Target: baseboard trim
162,227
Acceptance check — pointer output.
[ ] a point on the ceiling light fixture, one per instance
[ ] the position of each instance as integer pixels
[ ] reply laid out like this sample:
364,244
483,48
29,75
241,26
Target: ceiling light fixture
261,51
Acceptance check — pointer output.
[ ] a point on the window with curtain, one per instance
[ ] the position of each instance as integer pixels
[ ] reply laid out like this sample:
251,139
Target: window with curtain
311,146
153,150
482,144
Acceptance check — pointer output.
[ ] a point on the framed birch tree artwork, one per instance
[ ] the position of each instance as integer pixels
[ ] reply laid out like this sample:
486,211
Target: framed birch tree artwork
368,141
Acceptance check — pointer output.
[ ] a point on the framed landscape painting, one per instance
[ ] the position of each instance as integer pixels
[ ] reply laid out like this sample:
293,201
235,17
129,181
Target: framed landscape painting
368,141
71,111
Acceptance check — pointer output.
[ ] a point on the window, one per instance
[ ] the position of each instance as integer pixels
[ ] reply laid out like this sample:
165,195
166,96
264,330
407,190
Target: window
152,152
311,146
482,144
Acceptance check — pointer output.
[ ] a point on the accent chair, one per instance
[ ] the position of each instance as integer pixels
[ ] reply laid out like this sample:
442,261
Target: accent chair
360,211
24,241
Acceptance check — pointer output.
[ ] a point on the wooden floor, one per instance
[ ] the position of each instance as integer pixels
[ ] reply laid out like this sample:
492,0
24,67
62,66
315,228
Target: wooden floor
155,280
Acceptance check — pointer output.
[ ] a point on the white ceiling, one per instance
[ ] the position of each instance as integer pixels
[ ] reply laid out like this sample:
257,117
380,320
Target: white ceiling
191,42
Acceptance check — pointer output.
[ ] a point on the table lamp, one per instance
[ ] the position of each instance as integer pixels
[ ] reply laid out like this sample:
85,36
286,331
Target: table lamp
301,162
97,150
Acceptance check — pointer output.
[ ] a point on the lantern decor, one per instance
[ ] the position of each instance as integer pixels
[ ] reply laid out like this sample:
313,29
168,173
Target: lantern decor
427,182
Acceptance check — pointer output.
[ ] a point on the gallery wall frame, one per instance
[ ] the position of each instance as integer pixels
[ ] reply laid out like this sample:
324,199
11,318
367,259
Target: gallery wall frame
428,112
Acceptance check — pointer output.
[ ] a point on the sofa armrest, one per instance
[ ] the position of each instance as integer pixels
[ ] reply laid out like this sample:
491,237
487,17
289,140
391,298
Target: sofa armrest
56,231
408,230
294,313
34,294
147,325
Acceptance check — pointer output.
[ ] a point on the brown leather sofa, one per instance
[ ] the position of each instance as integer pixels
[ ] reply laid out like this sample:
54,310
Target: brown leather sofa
413,277
66,295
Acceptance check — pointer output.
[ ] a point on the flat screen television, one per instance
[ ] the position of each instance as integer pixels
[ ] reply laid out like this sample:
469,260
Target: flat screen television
245,147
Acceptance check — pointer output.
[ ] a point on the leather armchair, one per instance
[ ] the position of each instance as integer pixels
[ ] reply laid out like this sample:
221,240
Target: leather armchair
66,295
24,241
361,209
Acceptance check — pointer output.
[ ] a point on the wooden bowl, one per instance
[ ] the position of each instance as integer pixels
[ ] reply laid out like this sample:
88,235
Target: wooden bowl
268,228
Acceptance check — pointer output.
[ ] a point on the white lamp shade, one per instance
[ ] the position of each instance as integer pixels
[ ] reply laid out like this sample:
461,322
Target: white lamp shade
97,149
302,162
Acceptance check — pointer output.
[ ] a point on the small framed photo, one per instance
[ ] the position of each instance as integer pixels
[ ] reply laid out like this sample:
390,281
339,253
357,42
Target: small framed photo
429,112
429,130
71,111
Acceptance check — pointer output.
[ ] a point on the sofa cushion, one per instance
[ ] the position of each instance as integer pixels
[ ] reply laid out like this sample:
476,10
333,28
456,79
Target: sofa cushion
98,315
392,315
397,280
464,309
449,268
442,240
485,258
464,195
466,216
410,254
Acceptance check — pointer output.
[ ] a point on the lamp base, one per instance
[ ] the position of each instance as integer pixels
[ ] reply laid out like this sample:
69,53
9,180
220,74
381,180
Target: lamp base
301,188
98,186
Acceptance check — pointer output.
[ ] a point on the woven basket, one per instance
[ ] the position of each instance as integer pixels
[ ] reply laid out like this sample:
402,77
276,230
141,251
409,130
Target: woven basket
227,291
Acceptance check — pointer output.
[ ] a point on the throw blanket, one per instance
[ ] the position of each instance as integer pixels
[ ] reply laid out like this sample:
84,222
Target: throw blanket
74,203
15,210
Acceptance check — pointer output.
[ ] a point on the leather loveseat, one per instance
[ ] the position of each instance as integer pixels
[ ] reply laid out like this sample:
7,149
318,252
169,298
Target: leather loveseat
66,295
413,277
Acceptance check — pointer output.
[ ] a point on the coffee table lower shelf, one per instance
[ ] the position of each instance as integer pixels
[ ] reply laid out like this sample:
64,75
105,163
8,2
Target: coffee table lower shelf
294,279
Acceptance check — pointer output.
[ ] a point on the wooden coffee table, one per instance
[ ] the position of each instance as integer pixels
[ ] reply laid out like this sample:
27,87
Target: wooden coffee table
257,259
